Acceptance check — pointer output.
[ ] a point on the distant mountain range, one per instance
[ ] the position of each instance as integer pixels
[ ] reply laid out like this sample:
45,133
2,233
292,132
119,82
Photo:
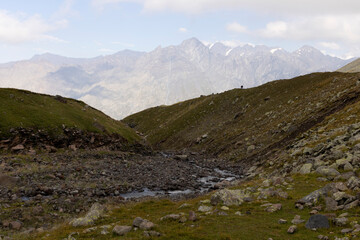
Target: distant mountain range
128,81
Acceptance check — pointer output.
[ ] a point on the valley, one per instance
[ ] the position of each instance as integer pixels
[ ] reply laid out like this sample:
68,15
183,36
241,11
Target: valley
234,160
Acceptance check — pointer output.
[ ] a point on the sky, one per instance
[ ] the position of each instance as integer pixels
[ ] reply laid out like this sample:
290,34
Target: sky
89,28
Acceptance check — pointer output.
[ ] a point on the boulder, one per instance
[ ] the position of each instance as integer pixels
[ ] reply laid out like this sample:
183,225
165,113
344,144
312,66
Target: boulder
121,230
331,204
327,171
171,217
317,221
353,182
315,195
229,197
95,212
204,208
306,168
292,229
274,207
143,224
341,221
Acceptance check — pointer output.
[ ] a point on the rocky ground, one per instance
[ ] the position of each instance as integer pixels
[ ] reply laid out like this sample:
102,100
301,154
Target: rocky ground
38,190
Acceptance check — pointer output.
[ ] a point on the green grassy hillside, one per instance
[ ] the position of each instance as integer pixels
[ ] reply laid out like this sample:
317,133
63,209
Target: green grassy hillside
245,123
351,67
19,108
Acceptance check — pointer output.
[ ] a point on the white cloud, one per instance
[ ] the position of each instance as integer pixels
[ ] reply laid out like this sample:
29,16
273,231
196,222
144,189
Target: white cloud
236,27
183,30
279,7
330,45
18,28
345,28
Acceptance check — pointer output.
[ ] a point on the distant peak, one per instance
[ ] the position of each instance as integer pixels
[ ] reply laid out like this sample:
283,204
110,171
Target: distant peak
307,49
192,42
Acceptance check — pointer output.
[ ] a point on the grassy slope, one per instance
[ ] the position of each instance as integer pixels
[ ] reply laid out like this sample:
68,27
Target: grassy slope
19,108
239,118
351,67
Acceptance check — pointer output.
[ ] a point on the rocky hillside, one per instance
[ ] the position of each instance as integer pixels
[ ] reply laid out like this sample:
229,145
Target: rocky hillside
129,81
351,67
248,123
30,120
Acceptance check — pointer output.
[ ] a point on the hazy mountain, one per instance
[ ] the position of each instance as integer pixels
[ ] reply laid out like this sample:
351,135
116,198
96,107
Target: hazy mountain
128,81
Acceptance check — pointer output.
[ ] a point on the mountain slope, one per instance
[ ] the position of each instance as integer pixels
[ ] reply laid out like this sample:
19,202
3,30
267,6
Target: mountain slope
27,116
245,123
351,67
128,81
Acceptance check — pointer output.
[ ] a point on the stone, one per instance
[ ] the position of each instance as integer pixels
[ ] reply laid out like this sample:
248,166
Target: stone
317,221
95,212
314,196
274,207
339,195
327,171
297,220
352,205
146,225
185,205
152,234
340,186
353,182
282,221
121,230
238,213
143,223
229,197
331,204
137,221
204,208
348,167
16,225
18,147
192,216
181,157
225,208
322,237
346,230
314,212
171,217
342,221
292,229
306,168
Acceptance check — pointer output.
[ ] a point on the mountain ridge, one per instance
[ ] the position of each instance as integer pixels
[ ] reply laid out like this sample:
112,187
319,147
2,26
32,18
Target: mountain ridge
128,81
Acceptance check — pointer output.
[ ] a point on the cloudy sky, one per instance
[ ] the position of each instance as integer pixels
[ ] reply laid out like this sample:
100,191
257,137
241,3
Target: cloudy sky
88,28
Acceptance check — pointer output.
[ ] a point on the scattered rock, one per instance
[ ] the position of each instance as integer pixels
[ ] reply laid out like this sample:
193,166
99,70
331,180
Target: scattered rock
274,207
171,217
342,221
331,204
143,223
292,229
306,168
282,221
317,221
229,197
95,212
152,234
327,171
121,230
204,208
